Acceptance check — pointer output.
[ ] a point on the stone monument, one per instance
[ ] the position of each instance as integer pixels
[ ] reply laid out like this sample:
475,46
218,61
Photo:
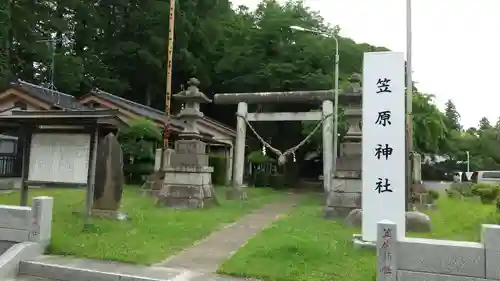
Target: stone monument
345,195
188,181
109,179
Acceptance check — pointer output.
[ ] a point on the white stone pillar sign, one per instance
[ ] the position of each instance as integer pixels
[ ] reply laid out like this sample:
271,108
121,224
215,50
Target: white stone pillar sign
383,173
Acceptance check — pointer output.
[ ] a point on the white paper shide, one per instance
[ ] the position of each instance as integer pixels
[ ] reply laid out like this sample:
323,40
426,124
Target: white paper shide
383,142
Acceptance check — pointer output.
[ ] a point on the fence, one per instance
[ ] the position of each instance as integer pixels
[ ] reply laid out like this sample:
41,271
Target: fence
10,166
23,224
415,259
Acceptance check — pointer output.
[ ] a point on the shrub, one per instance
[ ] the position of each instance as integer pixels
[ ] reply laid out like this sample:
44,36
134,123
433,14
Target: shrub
278,181
219,163
487,192
432,196
464,188
453,193
497,203
135,171
260,179
138,141
256,157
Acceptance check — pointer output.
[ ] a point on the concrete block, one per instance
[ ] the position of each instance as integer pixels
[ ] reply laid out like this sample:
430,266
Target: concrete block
442,256
41,212
490,237
14,235
106,272
404,275
15,217
9,261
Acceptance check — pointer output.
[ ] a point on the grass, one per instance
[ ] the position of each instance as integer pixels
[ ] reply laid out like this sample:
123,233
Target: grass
304,246
459,220
150,235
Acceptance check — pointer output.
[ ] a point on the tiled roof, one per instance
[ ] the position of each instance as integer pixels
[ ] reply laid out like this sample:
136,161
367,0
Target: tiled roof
51,97
137,108
144,110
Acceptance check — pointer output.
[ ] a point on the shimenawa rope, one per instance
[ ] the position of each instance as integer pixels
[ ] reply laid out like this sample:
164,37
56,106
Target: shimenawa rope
282,155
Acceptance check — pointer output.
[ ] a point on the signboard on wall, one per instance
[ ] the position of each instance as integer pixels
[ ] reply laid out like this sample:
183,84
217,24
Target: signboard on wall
59,158
383,142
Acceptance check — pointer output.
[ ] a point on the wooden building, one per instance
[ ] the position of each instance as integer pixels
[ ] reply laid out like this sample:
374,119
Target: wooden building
22,95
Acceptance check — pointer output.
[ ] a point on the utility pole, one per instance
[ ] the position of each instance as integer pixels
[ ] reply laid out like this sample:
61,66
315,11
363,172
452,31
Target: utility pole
409,100
168,93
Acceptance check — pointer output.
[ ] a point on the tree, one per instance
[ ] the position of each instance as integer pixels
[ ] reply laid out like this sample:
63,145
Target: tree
484,124
429,125
120,47
4,42
138,141
452,116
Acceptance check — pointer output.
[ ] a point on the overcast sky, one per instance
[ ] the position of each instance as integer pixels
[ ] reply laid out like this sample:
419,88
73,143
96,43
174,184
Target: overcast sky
455,45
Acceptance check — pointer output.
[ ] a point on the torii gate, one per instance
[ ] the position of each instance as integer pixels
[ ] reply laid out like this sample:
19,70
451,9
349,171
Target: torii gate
325,118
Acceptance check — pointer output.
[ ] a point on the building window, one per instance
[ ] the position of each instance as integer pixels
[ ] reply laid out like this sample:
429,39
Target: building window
21,105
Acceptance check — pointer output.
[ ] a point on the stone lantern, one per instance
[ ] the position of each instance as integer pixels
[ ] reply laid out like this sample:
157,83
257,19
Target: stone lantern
188,179
190,114
346,193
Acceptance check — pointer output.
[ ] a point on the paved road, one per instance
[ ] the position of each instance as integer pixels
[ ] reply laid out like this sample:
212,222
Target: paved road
436,185
209,253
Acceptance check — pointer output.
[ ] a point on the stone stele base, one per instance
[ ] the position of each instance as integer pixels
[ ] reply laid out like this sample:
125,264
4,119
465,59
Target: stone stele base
109,214
186,187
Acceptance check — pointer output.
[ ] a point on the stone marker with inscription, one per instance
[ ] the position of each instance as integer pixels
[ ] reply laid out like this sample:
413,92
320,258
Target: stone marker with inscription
188,180
109,179
386,251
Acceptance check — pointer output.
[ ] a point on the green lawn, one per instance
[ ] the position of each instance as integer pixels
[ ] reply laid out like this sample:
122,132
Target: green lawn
304,246
150,235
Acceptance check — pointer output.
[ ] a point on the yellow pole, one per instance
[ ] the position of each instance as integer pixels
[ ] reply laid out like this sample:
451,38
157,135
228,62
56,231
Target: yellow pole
168,93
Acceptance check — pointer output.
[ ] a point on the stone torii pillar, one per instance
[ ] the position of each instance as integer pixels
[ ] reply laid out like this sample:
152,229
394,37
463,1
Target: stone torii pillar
243,99
239,147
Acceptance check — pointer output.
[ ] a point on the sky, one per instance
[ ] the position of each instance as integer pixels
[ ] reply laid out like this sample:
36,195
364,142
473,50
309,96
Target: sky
455,50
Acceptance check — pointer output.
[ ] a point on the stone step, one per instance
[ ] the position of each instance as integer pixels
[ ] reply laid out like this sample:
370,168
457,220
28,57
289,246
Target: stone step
70,269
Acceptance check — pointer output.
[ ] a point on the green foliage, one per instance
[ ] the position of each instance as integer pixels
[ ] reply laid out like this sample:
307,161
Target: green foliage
432,195
138,141
119,47
260,179
428,124
463,188
256,157
453,193
452,116
303,237
152,233
219,163
5,26
278,181
488,192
